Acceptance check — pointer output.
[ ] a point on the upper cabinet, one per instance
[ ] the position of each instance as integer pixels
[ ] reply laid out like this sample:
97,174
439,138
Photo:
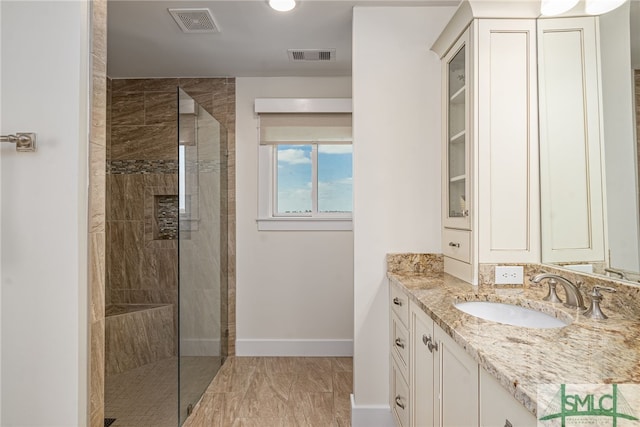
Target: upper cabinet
490,141
572,172
457,166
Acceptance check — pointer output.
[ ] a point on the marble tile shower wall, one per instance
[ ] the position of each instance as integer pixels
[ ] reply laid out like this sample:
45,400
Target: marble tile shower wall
141,159
141,267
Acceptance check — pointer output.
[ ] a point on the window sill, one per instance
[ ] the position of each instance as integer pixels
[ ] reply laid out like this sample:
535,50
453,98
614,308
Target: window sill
304,224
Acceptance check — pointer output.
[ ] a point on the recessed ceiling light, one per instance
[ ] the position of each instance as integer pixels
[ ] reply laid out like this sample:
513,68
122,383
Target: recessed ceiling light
282,5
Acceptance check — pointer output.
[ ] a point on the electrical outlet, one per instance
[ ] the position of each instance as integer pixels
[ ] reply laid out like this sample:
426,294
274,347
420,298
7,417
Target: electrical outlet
509,275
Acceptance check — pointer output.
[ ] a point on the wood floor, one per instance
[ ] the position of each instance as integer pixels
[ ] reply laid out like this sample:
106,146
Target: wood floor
278,392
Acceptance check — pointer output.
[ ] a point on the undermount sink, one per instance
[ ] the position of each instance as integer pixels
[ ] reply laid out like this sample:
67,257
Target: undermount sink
510,314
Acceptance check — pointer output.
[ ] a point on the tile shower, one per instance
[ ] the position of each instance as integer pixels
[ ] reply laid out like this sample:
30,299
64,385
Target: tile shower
166,256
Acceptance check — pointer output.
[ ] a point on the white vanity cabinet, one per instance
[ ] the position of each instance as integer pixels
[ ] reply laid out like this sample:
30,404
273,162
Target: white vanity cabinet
434,382
490,140
400,350
498,408
443,377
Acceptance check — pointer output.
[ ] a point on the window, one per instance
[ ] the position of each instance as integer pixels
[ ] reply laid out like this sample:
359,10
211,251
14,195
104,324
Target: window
306,171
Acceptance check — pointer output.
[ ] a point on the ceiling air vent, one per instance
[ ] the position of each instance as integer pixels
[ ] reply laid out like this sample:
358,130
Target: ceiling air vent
194,20
305,55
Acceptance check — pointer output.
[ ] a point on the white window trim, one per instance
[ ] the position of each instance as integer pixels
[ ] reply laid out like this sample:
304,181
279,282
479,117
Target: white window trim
266,220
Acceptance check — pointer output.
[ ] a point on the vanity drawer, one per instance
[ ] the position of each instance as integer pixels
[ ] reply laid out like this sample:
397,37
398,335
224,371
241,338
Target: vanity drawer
457,244
400,344
400,305
399,397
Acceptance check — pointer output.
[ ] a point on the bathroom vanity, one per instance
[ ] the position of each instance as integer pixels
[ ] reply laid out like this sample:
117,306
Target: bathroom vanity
523,182
449,368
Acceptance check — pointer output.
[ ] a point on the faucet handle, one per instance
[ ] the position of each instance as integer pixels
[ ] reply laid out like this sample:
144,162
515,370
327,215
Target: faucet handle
552,296
596,297
597,288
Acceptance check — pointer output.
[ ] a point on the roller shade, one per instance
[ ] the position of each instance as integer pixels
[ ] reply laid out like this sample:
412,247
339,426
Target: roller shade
304,128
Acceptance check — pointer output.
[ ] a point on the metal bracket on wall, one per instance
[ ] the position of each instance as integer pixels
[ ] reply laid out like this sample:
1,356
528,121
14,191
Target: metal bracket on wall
25,141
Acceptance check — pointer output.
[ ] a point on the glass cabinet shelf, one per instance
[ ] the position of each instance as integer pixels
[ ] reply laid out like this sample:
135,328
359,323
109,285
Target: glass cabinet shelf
457,178
459,137
458,97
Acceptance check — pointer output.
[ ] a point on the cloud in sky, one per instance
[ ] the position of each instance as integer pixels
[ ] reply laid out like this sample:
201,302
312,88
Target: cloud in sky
335,196
293,156
335,149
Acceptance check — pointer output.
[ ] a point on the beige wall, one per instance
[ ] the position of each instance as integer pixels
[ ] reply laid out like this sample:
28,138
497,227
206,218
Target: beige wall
295,289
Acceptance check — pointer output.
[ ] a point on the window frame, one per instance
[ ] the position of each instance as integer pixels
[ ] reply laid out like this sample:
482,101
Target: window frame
268,219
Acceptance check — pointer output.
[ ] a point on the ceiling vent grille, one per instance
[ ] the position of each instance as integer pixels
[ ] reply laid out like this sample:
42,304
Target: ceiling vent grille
193,20
306,55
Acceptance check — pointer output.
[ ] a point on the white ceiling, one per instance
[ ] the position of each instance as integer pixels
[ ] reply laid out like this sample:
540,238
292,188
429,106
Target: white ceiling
145,41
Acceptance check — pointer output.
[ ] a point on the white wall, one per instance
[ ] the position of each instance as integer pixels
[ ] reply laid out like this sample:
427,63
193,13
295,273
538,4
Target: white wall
294,289
619,139
44,221
1,129
396,95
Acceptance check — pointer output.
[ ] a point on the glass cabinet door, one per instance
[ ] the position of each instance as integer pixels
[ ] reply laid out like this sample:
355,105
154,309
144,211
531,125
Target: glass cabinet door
457,200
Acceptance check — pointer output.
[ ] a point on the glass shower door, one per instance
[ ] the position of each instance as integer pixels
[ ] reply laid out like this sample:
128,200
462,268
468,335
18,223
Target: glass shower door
202,250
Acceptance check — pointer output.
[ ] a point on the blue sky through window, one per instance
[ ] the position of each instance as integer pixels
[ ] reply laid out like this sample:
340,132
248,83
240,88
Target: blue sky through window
335,178
295,178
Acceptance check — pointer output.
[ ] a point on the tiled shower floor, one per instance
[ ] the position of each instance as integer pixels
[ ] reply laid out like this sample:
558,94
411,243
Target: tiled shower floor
147,396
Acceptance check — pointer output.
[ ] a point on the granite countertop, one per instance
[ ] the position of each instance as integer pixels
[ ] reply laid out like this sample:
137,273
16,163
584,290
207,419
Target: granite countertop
585,352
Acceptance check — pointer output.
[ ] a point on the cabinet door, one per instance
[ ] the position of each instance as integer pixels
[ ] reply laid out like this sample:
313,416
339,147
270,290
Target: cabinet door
506,147
422,364
572,206
456,167
458,384
499,408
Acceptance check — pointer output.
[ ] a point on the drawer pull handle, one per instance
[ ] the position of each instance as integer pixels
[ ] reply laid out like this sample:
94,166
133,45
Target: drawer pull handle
399,402
428,341
396,301
454,245
399,343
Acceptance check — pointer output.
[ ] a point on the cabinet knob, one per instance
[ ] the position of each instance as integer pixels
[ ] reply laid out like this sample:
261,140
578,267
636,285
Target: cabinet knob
399,402
454,245
399,343
507,423
396,301
428,341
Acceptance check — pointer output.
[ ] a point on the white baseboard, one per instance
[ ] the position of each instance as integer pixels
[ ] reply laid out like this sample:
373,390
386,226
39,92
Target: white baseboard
310,348
371,415
199,347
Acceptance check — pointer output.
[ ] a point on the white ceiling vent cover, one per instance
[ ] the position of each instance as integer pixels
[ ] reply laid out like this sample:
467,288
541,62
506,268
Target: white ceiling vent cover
191,20
306,55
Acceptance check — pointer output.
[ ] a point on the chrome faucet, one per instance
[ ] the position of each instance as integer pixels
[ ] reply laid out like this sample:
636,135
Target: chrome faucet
574,297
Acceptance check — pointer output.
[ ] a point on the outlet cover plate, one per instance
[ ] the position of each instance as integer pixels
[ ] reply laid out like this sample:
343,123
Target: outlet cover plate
509,275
